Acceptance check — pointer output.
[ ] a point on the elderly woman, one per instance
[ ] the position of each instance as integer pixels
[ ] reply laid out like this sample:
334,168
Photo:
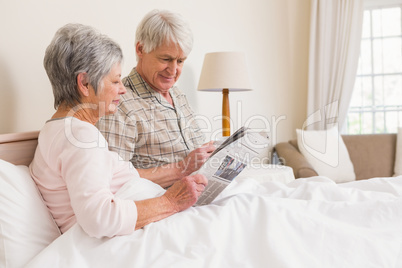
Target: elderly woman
76,174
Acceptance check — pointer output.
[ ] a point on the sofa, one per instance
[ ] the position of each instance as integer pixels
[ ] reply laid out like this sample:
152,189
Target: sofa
372,155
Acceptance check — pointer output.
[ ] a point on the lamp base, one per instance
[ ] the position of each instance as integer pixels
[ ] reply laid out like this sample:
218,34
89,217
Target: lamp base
225,113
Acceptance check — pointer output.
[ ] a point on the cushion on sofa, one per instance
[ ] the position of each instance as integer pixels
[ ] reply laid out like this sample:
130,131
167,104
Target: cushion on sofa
327,153
398,155
372,155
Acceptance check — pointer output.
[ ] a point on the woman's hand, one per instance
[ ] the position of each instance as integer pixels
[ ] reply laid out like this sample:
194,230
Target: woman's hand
181,195
185,192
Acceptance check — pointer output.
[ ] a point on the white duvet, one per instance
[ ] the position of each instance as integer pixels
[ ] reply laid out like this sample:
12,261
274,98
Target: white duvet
306,223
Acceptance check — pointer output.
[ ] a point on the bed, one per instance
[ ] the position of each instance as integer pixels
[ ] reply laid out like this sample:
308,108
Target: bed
255,222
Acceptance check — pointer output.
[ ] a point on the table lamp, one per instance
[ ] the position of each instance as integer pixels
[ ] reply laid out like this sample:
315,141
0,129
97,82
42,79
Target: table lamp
224,71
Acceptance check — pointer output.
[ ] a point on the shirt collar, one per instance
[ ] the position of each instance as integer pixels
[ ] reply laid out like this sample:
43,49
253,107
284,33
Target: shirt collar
144,91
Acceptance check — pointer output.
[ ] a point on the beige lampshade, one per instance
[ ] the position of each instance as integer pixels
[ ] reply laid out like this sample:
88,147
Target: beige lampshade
224,70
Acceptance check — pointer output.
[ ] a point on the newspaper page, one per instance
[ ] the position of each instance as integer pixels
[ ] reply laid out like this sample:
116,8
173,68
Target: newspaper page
228,161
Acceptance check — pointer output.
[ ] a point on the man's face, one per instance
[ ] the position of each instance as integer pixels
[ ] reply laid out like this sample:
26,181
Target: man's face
161,68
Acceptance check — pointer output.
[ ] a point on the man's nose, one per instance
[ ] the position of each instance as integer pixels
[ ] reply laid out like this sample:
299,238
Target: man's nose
172,67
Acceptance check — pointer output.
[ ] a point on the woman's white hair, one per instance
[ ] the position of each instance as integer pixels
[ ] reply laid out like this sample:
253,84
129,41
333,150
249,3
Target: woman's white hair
159,26
75,49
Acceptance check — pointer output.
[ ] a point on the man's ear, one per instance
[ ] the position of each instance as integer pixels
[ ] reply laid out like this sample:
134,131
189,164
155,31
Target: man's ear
83,84
139,49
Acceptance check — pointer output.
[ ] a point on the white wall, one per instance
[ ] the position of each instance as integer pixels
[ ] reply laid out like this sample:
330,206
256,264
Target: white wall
273,33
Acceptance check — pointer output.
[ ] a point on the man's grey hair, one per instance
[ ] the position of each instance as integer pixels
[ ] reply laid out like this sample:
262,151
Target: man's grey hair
159,26
75,49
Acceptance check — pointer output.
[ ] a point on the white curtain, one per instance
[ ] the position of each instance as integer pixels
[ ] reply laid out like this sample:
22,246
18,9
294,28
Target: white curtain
335,35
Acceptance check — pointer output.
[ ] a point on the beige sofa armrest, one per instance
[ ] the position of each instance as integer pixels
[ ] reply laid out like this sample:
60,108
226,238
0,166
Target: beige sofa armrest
290,156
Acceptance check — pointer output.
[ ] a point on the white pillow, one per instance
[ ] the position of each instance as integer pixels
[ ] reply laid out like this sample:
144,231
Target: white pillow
398,154
26,226
327,153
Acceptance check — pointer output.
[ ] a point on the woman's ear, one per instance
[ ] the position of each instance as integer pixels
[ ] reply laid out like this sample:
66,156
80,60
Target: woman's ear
83,84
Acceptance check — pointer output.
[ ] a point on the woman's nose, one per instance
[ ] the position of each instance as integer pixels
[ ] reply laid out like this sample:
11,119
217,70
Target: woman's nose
123,89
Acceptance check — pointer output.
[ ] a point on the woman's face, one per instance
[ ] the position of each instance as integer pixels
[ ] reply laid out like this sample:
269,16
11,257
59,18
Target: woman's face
110,90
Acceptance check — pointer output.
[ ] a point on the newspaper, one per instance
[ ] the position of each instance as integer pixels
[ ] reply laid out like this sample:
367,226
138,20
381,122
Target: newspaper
229,160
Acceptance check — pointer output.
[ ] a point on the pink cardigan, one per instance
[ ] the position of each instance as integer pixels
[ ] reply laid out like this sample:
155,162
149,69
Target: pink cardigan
78,177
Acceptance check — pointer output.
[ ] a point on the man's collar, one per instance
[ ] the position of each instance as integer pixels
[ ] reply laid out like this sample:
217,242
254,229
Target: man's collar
145,91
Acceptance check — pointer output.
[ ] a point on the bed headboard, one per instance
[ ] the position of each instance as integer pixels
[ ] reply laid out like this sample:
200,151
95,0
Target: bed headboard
18,148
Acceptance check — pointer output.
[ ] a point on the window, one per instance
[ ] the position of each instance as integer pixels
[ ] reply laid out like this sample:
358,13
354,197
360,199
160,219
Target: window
376,104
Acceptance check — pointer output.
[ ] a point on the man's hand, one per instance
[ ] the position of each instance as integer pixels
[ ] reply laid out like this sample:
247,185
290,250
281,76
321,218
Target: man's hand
185,192
167,174
196,158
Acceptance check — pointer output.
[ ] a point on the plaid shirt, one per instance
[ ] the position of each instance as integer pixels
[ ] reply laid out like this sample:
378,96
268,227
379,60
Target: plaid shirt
147,130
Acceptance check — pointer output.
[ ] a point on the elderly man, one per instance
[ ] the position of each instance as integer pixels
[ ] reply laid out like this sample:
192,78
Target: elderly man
154,126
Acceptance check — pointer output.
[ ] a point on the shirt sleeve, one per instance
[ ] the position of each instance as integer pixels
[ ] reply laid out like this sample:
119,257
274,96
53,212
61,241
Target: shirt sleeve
193,134
88,173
